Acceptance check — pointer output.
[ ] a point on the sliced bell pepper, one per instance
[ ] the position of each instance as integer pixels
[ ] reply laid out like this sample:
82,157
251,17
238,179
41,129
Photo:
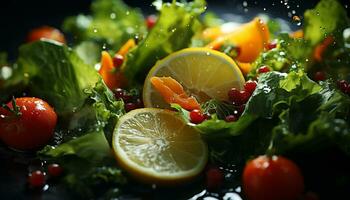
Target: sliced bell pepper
173,92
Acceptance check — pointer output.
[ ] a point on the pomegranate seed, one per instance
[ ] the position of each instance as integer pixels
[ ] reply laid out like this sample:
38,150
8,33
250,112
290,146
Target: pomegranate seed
118,60
54,170
250,86
263,69
196,116
231,118
244,96
233,94
239,110
130,107
119,93
151,20
320,76
271,45
37,179
214,178
343,85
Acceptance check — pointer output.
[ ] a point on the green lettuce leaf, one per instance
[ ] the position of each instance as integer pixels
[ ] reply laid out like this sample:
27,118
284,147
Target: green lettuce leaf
176,25
329,17
89,164
110,25
56,74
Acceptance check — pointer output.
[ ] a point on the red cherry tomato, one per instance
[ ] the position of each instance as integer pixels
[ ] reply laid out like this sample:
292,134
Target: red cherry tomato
196,116
36,179
272,178
54,170
46,32
33,128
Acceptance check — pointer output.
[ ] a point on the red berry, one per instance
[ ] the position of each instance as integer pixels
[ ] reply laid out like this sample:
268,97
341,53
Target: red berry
214,178
231,118
196,116
54,170
244,96
238,97
271,45
320,76
233,94
151,20
119,93
343,85
130,107
118,60
250,86
263,69
37,179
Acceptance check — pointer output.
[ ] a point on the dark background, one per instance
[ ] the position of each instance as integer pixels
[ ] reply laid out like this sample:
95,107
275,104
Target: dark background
17,17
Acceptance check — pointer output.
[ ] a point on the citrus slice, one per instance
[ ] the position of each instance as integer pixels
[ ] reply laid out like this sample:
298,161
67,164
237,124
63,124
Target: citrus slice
157,146
204,73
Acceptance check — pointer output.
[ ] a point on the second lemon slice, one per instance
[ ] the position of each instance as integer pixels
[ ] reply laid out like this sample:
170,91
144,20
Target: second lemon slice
205,74
157,146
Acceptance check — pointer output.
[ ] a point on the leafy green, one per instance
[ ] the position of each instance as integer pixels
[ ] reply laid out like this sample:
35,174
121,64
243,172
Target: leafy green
89,163
328,18
111,24
290,53
56,74
89,52
176,25
284,114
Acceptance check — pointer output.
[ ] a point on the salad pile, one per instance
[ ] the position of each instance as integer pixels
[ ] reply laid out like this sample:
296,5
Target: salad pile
244,109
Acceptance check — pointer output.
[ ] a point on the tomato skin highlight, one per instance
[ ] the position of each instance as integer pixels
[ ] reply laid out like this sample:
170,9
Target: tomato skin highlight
272,178
32,129
37,179
54,170
46,32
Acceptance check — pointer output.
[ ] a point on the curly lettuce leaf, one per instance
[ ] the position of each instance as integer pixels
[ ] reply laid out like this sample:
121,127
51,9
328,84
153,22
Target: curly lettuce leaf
111,24
56,74
329,17
176,25
88,163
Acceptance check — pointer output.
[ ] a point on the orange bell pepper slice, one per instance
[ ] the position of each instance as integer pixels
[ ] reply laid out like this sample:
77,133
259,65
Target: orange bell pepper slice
126,47
321,48
112,78
173,92
252,38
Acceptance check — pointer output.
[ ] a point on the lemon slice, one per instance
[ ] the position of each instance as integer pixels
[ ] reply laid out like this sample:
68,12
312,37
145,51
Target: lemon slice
157,146
204,73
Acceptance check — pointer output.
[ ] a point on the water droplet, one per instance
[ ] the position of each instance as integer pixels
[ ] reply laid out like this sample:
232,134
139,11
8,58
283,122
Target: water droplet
112,16
317,13
264,9
26,75
173,30
127,13
245,4
293,12
245,10
208,53
104,46
95,30
2,116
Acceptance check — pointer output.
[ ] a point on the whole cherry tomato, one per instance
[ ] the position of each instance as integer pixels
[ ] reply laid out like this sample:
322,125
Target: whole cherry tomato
46,32
27,123
272,178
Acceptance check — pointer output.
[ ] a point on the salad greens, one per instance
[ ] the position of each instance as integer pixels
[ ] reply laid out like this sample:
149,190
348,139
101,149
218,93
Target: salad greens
110,24
287,113
174,30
